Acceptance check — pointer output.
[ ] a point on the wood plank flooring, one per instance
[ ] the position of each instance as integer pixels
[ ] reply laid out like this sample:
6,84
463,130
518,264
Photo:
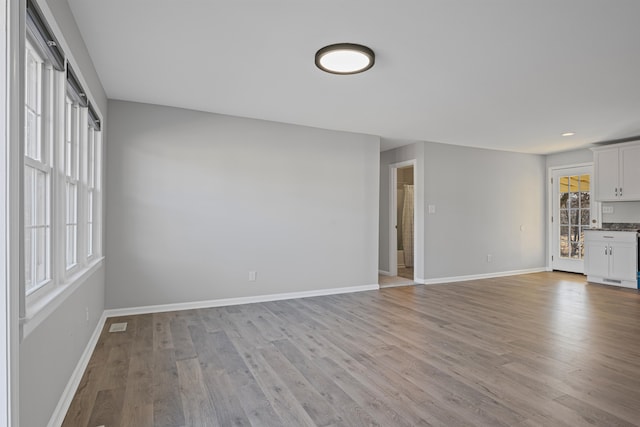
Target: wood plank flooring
542,349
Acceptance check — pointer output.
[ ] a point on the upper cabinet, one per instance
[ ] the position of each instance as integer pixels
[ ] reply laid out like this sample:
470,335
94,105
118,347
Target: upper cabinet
617,172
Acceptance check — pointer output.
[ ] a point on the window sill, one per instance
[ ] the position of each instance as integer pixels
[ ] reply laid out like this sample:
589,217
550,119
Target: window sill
38,310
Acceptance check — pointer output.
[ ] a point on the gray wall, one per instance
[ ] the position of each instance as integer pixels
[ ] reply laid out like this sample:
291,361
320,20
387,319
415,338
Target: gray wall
569,158
51,352
482,198
195,201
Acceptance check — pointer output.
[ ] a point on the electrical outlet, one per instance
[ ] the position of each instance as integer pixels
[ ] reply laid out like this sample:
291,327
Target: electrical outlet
253,276
489,257
87,313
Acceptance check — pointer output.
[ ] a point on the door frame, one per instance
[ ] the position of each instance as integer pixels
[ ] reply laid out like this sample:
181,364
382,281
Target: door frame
393,216
595,206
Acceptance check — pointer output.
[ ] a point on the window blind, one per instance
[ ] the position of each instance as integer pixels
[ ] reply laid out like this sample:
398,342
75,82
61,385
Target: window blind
94,120
42,36
74,88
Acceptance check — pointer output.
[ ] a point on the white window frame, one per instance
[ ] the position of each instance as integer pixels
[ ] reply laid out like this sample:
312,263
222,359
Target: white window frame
37,305
39,163
93,192
71,167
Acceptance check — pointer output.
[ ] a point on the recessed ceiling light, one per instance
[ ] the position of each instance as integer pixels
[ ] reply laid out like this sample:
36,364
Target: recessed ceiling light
345,58
568,134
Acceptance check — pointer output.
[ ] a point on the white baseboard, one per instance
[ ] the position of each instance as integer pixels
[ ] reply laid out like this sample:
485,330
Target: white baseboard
235,301
398,285
57,418
452,279
384,273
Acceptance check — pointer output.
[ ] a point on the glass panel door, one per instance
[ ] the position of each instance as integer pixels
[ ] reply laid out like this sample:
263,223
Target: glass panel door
571,216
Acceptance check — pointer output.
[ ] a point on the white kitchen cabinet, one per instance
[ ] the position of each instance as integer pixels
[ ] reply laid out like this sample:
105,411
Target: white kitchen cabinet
611,257
617,172
630,172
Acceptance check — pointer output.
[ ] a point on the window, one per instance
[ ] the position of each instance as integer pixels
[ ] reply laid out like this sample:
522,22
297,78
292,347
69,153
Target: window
93,195
62,145
575,211
71,172
37,172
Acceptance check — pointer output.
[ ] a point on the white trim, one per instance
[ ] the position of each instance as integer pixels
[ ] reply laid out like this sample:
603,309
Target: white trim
398,285
452,279
38,311
72,385
235,301
384,273
393,231
13,161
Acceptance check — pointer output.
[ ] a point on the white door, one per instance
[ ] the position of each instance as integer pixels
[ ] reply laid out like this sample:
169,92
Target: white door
572,206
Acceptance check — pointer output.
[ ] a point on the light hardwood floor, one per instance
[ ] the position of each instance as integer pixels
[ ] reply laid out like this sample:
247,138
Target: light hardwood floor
543,349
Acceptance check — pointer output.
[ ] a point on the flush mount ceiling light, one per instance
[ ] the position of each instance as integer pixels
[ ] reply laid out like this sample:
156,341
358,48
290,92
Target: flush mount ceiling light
568,134
345,58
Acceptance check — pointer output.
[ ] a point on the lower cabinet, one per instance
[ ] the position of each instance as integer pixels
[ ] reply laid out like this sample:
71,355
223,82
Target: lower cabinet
611,257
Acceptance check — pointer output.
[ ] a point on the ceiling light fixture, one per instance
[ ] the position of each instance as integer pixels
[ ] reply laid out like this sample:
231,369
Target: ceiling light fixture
345,58
568,134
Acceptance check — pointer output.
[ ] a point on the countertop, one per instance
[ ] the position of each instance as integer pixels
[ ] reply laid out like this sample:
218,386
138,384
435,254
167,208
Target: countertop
629,230
618,226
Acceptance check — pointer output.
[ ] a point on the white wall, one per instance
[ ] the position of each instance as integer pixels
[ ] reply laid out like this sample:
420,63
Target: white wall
49,354
482,198
626,212
195,201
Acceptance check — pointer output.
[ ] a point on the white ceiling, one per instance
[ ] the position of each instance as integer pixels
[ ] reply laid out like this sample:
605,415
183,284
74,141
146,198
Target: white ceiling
500,74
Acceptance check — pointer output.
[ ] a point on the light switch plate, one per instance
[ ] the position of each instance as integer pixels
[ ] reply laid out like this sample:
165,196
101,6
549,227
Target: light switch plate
607,209
432,209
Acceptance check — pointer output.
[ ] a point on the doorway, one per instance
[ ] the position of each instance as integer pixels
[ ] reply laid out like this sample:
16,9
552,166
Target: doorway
573,211
405,203
404,247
